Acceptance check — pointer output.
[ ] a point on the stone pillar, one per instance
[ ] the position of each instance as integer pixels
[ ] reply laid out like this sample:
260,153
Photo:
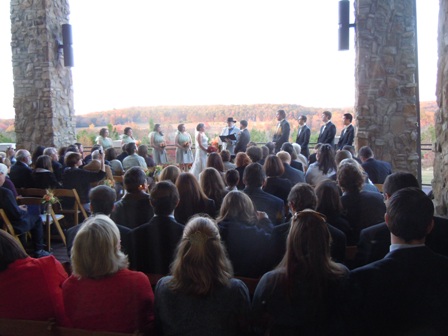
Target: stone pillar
440,181
43,91
386,72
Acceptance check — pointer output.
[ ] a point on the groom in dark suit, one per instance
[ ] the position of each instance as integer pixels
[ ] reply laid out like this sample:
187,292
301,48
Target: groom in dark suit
243,138
348,133
303,136
282,133
328,130
406,292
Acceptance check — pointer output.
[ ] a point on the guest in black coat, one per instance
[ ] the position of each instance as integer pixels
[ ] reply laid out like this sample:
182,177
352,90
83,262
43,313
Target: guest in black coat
292,174
102,200
289,148
407,291
275,184
246,235
153,244
376,169
43,176
133,209
20,172
301,197
242,160
58,169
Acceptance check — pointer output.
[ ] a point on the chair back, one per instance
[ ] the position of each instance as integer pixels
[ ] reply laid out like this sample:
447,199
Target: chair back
77,205
7,226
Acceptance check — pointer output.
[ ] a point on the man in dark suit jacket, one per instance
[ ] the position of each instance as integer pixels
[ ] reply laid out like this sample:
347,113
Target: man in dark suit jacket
302,196
153,244
243,138
21,218
254,178
58,168
282,133
328,130
20,172
102,199
293,162
303,136
374,241
406,292
348,133
376,169
291,174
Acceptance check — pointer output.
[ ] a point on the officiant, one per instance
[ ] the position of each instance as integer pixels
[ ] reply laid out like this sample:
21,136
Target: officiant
227,131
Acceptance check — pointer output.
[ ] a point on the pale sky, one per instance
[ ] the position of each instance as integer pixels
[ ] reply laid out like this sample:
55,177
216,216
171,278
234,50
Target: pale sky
198,52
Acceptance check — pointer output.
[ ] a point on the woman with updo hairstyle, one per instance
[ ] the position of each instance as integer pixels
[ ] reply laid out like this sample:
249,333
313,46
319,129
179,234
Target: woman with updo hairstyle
275,184
43,176
201,297
324,168
304,295
192,199
102,293
183,143
127,136
30,288
104,140
213,185
246,234
170,173
158,143
133,209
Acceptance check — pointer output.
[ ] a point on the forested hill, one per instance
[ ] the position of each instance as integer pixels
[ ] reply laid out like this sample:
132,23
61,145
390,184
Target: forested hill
199,113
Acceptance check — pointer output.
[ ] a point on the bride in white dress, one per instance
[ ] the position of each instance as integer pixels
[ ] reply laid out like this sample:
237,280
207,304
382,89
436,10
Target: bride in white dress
200,158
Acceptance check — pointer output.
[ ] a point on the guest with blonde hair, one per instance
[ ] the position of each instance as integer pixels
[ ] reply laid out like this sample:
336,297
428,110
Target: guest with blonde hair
201,297
170,173
123,298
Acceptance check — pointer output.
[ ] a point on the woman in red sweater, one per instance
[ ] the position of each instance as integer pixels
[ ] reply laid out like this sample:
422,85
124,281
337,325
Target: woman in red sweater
30,288
102,294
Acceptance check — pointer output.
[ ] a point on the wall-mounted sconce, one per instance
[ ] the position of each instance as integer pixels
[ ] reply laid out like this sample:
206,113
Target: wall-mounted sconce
344,24
66,45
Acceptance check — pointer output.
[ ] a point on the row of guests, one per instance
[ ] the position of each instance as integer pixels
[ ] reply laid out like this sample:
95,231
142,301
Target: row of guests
306,293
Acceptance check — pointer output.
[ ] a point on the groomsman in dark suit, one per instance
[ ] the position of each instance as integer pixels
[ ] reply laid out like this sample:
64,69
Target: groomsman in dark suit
328,130
282,133
303,136
348,133
406,293
243,138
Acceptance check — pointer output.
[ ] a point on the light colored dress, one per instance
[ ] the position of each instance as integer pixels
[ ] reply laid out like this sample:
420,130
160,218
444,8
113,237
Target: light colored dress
125,139
105,142
184,155
200,158
159,155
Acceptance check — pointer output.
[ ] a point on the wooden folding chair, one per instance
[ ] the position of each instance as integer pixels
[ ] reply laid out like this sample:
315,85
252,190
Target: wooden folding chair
7,226
48,218
251,283
77,205
31,192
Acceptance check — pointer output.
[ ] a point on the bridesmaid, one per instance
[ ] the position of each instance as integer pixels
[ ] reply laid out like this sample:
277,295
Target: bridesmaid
128,136
184,156
103,139
157,142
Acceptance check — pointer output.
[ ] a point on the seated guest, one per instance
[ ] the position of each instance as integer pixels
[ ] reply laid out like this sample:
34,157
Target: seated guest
254,153
31,288
374,241
38,151
20,172
201,297
324,168
293,162
143,152
21,220
169,173
192,199
275,184
133,159
214,160
80,179
329,204
246,234
116,165
242,160
265,153
254,178
133,209
300,157
409,286
95,166
102,294
213,186
232,177
153,244
225,156
102,200
57,167
123,153
304,294
362,208
43,176
303,197
368,185
313,157
376,169
292,174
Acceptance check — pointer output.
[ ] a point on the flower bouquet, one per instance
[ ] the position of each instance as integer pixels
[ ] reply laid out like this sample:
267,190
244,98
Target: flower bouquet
49,199
154,171
186,146
162,145
108,182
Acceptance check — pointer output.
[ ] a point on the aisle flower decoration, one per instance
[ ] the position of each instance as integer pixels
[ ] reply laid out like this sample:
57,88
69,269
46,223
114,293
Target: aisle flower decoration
154,171
108,182
49,199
